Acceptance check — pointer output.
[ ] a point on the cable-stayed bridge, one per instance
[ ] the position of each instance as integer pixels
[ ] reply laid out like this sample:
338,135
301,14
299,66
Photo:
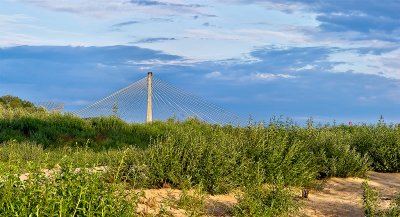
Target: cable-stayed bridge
51,106
151,99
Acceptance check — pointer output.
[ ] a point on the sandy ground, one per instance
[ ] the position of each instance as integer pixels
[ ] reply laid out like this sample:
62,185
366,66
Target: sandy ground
154,200
338,197
343,197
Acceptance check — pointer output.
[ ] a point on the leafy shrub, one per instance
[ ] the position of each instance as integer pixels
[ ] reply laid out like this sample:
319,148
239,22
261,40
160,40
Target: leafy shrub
381,143
370,200
64,193
335,155
395,208
194,204
15,102
221,160
265,201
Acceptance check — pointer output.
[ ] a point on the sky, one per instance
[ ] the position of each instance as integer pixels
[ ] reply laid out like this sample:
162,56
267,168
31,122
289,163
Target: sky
329,60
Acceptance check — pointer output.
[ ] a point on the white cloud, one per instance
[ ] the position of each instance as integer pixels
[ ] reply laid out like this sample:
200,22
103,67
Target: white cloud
20,29
306,67
386,64
14,18
216,75
116,8
268,76
18,39
272,5
158,62
256,36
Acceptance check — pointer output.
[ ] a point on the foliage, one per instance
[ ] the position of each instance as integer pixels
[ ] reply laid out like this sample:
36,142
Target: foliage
57,130
371,203
184,154
194,203
221,159
395,208
265,201
15,102
370,200
67,192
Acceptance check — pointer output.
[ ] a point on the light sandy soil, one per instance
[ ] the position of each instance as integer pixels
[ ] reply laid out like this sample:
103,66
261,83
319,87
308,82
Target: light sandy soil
154,200
338,197
343,197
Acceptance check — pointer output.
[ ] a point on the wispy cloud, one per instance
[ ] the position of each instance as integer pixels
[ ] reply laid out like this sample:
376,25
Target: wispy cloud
158,19
257,36
255,77
127,23
342,15
153,40
119,26
163,3
269,76
176,61
214,75
14,18
115,8
382,64
280,5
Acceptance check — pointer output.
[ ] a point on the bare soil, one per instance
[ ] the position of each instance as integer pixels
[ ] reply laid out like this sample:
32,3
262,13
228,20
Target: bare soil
343,196
338,197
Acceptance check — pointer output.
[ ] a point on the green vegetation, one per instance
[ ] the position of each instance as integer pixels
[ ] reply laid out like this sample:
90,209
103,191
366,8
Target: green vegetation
259,201
264,161
65,193
194,203
15,102
371,203
370,200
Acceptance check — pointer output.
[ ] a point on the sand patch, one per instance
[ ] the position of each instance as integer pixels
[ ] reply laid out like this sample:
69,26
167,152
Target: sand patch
338,197
343,196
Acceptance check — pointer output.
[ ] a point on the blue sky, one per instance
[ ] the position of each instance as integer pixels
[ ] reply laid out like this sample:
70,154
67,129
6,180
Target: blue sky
331,60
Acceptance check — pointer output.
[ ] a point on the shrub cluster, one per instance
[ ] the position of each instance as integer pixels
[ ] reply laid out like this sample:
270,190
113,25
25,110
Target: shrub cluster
67,192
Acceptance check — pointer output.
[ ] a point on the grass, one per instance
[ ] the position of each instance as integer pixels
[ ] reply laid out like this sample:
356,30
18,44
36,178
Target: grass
184,155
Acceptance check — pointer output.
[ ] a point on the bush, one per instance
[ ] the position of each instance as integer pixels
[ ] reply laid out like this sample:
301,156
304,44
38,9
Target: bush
335,155
15,102
265,201
64,193
370,200
221,160
381,143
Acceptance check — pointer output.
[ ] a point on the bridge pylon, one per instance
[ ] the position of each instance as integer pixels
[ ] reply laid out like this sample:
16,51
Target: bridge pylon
149,117
164,101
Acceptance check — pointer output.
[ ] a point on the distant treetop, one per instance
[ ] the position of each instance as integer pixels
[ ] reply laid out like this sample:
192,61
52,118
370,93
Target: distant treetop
15,102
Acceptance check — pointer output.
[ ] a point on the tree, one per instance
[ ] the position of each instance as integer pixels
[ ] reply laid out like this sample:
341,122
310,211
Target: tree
15,102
